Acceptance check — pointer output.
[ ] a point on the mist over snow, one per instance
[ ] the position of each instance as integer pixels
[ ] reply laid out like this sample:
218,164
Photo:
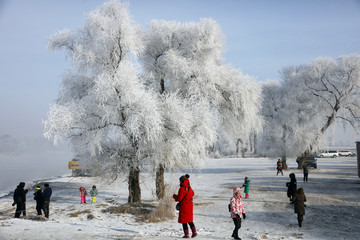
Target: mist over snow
30,158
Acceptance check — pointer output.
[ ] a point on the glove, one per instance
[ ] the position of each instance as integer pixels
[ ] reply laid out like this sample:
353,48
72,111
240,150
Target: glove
13,204
237,216
244,216
174,196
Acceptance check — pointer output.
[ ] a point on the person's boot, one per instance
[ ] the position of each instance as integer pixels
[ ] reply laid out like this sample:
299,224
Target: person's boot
194,233
236,235
186,233
300,222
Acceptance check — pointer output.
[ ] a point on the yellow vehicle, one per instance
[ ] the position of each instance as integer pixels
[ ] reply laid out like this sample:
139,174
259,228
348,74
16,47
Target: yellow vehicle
78,169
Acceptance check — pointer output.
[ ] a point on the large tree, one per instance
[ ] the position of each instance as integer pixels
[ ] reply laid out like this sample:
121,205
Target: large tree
334,87
184,61
170,116
318,94
103,108
287,121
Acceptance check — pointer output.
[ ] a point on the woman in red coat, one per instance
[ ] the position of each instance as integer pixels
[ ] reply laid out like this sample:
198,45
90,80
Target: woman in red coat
185,198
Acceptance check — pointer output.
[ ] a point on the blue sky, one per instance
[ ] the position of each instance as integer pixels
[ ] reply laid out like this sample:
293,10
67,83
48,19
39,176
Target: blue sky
262,37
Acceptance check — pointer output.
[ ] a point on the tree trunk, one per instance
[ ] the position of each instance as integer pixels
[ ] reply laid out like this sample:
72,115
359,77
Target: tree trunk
243,148
283,157
251,142
255,142
160,179
238,146
283,162
134,185
303,158
160,182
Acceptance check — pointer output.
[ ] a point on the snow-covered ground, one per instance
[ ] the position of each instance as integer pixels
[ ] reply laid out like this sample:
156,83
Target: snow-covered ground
332,212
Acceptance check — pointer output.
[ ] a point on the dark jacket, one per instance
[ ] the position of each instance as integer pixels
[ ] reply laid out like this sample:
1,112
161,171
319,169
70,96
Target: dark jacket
20,193
299,206
38,196
292,185
47,194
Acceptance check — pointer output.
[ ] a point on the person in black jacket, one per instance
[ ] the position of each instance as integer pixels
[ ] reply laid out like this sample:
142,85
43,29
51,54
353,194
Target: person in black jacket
20,200
39,200
306,173
46,198
292,187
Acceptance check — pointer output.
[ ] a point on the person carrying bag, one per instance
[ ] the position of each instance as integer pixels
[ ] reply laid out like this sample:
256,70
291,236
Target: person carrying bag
185,198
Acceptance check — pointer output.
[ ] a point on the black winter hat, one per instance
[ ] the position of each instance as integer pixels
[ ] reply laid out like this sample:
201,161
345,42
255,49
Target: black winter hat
183,178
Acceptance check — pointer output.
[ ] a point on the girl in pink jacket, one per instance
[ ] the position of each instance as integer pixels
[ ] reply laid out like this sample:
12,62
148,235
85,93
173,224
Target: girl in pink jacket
237,211
83,194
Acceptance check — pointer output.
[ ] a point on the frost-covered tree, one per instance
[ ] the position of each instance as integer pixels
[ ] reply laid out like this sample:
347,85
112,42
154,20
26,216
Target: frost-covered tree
317,95
103,108
274,112
334,89
183,61
287,121
188,98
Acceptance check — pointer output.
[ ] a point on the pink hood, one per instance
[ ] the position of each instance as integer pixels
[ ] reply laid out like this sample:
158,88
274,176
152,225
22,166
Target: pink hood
235,190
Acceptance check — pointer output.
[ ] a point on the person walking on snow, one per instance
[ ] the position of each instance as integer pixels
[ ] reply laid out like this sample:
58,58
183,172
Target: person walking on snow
237,211
246,186
46,198
292,187
20,200
185,198
93,193
299,205
279,167
83,194
306,173
39,200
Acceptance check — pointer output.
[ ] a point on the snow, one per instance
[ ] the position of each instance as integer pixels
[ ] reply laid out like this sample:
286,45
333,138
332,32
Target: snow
332,212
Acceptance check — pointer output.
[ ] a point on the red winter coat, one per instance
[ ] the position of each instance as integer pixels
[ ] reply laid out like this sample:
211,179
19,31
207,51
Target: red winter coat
186,205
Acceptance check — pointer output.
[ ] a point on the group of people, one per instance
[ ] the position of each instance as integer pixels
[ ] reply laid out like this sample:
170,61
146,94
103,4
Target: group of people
236,207
297,197
279,169
42,199
185,198
83,193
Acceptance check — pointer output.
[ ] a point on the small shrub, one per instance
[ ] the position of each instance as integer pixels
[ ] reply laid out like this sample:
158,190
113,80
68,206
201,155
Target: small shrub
136,209
148,212
165,209
76,214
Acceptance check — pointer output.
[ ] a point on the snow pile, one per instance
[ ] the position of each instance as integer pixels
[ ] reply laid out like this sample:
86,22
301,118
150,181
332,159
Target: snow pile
332,211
